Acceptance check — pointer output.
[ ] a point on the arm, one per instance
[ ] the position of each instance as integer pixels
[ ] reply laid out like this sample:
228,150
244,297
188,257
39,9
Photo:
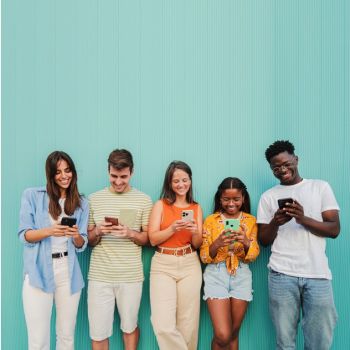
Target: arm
223,240
33,236
197,237
28,232
80,239
139,238
328,228
268,232
77,238
94,236
122,231
207,241
252,250
157,236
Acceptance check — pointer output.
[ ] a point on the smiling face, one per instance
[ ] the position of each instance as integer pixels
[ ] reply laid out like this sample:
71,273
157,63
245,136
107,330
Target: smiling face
63,176
231,202
119,179
285,168
180,182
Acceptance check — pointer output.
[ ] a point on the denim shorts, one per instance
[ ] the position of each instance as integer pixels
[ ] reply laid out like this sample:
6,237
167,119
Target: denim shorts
219,284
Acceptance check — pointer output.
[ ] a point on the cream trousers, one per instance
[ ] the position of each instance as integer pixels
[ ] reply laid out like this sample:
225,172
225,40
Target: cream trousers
175,284
38,308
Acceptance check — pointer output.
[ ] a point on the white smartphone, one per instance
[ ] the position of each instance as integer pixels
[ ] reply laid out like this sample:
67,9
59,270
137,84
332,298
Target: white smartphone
187,215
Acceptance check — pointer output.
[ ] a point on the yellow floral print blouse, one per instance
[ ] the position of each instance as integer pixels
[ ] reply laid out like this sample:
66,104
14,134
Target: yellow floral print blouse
212,228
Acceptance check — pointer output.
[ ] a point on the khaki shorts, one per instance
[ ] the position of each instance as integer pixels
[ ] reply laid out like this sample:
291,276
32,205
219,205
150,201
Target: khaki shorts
102,297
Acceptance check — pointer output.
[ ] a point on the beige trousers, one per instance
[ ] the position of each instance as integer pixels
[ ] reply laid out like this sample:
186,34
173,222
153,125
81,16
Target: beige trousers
175,284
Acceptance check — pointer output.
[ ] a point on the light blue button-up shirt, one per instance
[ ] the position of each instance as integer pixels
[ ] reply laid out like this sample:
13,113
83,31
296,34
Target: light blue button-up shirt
37,257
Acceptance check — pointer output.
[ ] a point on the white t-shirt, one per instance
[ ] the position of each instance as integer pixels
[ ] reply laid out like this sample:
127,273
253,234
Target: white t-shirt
59,244
295,250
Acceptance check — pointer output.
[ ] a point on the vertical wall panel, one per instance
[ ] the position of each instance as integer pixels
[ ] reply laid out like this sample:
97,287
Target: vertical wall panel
212,83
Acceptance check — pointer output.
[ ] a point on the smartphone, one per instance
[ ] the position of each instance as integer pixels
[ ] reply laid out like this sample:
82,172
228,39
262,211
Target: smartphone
283,201
66,221
113,221
232,224
187,215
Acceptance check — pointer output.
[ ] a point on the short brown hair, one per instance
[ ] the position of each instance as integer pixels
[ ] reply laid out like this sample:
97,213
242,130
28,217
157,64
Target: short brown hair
120,159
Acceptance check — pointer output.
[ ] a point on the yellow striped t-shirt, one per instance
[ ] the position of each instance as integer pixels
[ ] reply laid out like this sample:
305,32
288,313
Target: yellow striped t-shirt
117,259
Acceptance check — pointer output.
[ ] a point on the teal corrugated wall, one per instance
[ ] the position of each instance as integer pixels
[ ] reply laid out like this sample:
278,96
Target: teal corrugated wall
212,83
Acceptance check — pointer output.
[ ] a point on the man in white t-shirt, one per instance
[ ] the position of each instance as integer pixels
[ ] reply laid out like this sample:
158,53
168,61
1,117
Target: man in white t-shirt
297,228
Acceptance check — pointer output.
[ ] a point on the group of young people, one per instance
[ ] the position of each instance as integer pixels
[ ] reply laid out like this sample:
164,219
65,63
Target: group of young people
56,223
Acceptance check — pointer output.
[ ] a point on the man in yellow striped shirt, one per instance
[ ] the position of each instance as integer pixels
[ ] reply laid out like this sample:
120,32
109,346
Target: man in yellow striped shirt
117,229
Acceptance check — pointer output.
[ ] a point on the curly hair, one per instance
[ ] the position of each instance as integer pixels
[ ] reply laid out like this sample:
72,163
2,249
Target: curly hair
278,147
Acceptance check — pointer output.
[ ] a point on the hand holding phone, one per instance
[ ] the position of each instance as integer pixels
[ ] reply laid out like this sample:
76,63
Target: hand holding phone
112,220
282,203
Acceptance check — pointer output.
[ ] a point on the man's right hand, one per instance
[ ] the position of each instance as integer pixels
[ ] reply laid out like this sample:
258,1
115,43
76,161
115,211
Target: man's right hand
280,218
104,228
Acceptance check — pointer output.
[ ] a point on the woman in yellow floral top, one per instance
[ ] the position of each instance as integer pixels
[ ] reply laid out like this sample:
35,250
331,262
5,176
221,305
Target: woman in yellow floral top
227,277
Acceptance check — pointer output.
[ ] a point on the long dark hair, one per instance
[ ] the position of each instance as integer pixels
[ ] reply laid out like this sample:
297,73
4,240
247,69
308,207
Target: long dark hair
72,195
167,192
230,183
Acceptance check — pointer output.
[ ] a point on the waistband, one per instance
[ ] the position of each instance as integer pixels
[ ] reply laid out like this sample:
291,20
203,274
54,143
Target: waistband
59,255
180,251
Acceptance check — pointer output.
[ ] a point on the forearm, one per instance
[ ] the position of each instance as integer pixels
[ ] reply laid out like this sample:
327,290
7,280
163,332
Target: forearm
197,240
327,229
139,238
78,241
33,236
213,250
159,237
93,237
267,233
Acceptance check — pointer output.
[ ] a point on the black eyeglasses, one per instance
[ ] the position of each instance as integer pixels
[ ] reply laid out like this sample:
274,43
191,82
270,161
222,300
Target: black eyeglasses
285,166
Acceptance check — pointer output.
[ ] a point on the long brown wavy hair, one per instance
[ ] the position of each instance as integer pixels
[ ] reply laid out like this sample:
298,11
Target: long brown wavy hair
72,201
167,192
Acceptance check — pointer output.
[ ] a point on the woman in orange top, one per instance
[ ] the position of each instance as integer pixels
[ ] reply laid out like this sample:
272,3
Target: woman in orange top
175,227
227,277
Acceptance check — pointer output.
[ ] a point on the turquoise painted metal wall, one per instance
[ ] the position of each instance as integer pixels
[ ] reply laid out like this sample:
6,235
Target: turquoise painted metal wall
212,83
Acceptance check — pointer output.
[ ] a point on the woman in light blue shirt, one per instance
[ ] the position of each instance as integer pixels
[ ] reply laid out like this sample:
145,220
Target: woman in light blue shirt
51,268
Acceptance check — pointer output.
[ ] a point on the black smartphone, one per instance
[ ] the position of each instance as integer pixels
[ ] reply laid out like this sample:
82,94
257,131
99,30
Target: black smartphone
113,221
283,201
66,221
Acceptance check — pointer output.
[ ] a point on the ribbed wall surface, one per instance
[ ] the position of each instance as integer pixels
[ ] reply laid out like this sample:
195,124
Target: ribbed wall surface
208,82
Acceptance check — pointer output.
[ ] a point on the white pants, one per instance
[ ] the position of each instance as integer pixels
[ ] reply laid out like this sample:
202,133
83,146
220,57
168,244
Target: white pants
38,308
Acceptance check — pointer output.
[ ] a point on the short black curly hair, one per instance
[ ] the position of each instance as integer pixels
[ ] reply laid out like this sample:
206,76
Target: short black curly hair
278,147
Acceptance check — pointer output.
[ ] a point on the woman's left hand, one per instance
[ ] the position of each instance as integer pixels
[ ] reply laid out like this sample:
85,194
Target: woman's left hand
73,231
192,227
241,236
